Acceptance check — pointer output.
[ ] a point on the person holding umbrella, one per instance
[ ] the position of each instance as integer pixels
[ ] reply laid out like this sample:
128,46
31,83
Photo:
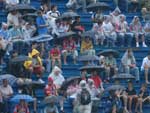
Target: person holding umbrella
22,107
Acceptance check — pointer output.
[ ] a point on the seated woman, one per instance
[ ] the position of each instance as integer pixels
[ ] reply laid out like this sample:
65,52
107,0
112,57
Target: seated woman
143,96
37,65
87,47
136,28
129,64
22,107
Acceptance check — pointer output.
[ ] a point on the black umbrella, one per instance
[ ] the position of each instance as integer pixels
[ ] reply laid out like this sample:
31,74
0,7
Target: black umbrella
88,58
22,8
108,52
20,58
92,67
69,81
11,79
69,14
40,38
29,16
98,6
66,34
123,76
115,87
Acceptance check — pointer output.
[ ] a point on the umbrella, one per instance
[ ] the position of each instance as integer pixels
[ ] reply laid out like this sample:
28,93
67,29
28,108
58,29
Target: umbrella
20,58
115,87
69,81
50,99
87,34
40,37
11,79
88,58
90,68
19,97
98,6
28,16
108,52
69,14
66,34
123,76
22,8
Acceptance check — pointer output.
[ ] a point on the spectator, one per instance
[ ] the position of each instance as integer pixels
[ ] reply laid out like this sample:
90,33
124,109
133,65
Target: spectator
131,94
50,88
72,4
37,65
129,64
147,31
54,12
97,16
143,96
22,107
69,48
7,92
73,88
109,31
137,29
133,5
13,18
111,66
4,31
1,103
77,26
99,33
55,56
83,99
2,50
12,2
41,24
87,47
58,79
146,67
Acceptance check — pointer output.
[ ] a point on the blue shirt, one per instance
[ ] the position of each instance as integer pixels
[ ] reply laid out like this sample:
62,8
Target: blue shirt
4,34
40,21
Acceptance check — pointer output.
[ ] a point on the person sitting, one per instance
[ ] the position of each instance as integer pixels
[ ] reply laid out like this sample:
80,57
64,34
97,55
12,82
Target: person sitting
133,5
53,12
147,31
69,48
55,56
22,107
145,68
109,31
99,33
111,66
137,29
6,91
87,47
72,4
143,97
129,64
97,16
37,65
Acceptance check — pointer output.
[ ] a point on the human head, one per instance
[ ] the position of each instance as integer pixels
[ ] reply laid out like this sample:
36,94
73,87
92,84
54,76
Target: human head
54,8
83,84
77,19
56,71
122,18
35,53
116,11
129,52
5,82
22,102
144,87
90,82
50,81
39,13
130,85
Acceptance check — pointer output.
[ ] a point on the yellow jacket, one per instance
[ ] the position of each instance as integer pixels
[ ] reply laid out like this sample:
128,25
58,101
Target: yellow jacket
86,46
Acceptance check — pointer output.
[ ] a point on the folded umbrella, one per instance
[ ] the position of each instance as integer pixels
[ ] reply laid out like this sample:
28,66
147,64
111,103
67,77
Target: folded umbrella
92,67
123,76
108,52
66,34
98,6
69,14
115,87
29,16
17,98
20,58
11,79
50,99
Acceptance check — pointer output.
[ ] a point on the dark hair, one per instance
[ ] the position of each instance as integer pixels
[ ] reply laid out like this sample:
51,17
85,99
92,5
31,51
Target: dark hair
53,6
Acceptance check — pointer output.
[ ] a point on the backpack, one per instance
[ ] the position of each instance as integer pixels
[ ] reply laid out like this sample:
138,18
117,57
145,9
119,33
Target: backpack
85,97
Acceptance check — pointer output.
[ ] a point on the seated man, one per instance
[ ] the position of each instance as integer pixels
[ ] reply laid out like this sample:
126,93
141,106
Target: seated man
129,64
7,92
146,67
87,47
55,56
69,48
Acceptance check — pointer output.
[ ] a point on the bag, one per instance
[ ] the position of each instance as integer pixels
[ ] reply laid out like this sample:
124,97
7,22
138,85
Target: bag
85,97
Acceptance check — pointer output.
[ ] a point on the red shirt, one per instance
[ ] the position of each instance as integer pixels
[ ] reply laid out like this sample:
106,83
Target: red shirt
97,81
18,108
55,52
50,90
69,44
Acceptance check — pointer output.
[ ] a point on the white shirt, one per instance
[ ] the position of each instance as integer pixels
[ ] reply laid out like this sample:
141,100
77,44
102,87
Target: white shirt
13,19
145,61
6,90
12,2
107,27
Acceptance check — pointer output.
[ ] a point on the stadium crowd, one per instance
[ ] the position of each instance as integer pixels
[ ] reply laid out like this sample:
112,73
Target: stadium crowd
18,39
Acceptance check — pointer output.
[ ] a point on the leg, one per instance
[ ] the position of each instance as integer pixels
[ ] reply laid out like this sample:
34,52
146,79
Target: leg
135,72
107,69
137,40
130,103
146,75
53,62
127,69
75,55
65,56
143,41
